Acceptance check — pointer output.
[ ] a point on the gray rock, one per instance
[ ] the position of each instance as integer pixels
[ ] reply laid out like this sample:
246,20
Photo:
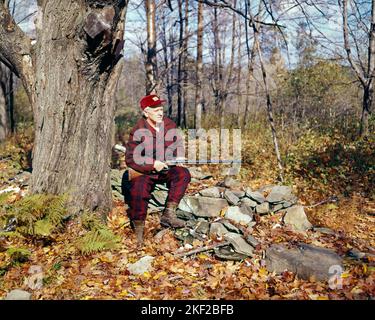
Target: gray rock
287,204
230,226
231,197
22,178
35,280
152,207
217,230
184,215
295,217
252,241
246,210
160,196
277,207
266,188
239,244
256,196
202,226
185,204
231,183
248,190
184,235
239,193
325,230
227,253
203,206
237,215
197,173
191,223
305,261
141,266
279,194
251,224
263,208
213,192
116,177
18,294
356,254
249,202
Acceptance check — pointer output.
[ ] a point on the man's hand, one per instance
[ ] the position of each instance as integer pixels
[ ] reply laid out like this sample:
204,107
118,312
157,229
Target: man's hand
158,165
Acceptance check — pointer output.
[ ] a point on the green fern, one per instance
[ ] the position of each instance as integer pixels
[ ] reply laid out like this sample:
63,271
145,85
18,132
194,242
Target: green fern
39,214
18,255
98,238
4,197
43,227
11,234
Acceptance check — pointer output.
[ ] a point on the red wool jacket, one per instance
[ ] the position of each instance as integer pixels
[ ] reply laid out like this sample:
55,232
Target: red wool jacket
166,144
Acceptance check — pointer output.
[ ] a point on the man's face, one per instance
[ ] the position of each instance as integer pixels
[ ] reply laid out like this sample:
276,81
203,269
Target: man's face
155,114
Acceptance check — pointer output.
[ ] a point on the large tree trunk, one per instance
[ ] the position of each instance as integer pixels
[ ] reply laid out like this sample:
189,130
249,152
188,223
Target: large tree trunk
7,121
10,103
4,122
71,81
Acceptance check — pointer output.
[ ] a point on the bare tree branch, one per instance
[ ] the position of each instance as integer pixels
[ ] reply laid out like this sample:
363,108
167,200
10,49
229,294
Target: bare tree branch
15,49
225,5
358,72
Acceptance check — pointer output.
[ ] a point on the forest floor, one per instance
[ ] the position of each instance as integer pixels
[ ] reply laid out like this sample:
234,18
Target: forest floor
317,167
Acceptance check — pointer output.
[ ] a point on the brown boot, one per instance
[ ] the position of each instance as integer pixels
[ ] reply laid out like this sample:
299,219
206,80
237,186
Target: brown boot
169,217
138,227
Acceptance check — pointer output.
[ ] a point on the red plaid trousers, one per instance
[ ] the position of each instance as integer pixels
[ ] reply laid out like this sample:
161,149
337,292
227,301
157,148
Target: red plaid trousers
137,191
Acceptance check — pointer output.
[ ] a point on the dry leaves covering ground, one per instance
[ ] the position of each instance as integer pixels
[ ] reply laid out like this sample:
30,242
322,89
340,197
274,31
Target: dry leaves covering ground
70,275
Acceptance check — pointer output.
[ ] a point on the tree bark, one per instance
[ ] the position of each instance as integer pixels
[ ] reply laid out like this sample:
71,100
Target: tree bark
185,65
151,62
180,111
71,75
167,64
10,103
239,73
218,67
255,27
16,51
199,70
4,121
250,67
368,94
366,77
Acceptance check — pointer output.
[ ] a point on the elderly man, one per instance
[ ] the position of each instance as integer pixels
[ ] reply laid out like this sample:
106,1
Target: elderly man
152,142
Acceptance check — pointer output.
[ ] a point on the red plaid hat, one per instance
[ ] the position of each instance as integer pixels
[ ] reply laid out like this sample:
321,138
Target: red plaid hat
151,100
